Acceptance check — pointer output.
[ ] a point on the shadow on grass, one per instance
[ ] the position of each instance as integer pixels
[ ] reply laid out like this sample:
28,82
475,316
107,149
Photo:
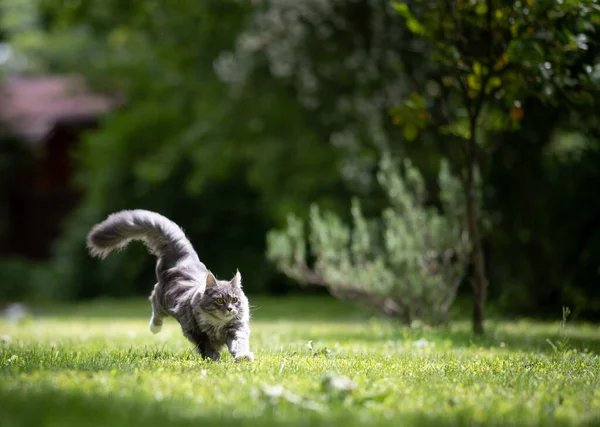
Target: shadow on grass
47,406
509,336
54,406
262,308
512,335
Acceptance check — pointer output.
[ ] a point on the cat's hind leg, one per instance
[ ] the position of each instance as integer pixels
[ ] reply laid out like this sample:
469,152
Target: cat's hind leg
157,319
156,323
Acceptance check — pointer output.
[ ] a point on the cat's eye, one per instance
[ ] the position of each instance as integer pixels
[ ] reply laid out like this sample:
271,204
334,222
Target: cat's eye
234,300
220,301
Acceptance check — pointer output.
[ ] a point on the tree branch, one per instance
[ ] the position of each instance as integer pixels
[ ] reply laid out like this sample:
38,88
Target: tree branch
348,291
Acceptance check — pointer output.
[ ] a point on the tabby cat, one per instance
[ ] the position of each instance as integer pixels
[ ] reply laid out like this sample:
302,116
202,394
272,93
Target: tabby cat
212,313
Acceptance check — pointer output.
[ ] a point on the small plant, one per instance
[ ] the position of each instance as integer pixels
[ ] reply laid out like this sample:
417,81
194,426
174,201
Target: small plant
324,351
561,345
408,263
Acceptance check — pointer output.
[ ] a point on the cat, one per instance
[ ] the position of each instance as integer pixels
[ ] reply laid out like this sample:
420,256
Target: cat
212,313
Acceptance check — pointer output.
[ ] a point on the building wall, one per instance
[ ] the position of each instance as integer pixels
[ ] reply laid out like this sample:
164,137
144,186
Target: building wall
43,194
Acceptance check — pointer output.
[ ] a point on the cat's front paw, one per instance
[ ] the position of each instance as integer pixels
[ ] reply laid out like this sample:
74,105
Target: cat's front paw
249,356
154,328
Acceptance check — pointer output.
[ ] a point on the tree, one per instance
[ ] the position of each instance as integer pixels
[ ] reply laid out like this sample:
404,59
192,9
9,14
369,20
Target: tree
484,58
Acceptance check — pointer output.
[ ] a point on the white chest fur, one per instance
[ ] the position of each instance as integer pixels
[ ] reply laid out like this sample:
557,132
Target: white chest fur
213,327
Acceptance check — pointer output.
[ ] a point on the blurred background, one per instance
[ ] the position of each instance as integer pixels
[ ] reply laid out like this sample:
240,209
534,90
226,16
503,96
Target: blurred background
228,116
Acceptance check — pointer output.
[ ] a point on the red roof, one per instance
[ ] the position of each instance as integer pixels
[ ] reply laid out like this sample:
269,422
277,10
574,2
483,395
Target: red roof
30,106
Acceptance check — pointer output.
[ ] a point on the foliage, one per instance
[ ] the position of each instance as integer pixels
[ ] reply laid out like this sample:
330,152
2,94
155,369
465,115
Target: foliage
484,58
16,277
225,171
408,264
97,364
493,55
342,61
543,257
238,113
21,36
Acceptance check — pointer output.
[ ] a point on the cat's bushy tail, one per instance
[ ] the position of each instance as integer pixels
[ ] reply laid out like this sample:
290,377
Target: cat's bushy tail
160,234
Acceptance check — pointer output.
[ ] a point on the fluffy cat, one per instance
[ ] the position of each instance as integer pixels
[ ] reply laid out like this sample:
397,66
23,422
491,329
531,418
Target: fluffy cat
212,313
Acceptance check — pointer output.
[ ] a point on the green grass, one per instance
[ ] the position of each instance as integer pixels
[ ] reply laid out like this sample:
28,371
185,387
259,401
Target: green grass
97,365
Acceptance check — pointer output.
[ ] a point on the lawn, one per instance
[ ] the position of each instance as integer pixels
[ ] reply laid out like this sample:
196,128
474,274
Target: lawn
96,364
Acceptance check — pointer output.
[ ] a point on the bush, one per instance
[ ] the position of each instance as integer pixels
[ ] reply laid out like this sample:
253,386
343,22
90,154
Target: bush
22,280
408,264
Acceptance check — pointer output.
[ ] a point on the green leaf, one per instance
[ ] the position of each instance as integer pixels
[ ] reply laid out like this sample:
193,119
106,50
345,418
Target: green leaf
411,22
410,132
481,8
401,8
495,82
415,26
474,82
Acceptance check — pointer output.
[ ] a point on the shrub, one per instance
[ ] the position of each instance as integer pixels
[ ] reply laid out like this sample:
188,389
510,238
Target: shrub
408,263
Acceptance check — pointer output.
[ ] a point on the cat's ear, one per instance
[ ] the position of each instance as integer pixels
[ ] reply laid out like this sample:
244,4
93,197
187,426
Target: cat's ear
211,280
237,279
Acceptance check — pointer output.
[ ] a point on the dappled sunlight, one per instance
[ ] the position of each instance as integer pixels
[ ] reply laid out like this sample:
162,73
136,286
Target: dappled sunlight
436,373
405,190
287,325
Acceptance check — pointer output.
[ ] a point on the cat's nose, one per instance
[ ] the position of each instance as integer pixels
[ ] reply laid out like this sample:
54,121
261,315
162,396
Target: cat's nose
229,308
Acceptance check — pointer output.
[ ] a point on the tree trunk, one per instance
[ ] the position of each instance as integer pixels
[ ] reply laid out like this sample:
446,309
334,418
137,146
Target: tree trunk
478,278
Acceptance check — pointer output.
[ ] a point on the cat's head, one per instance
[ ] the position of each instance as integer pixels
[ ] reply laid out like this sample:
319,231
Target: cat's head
224,299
